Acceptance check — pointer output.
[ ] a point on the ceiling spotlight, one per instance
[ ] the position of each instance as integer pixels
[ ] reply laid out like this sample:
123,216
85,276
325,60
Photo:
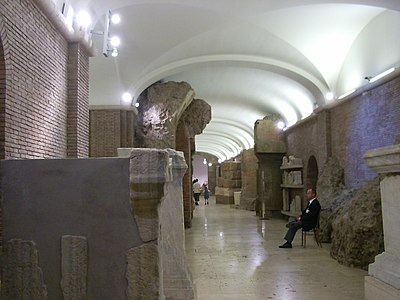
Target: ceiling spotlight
137,104
210,164
114,52
126,97
83,19
115,19
115,41
329,96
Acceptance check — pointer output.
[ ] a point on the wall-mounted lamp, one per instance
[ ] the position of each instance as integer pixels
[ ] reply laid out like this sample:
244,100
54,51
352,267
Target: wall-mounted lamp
110,44
346,94
280,125
371,79
329,96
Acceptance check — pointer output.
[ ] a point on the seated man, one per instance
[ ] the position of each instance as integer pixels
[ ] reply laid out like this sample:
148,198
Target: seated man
308,219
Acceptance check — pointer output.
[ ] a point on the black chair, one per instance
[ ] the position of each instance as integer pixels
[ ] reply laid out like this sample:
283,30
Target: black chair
316,231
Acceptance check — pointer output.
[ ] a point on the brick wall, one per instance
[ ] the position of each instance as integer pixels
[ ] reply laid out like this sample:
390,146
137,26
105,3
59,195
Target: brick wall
34,119
110,129
78,102
348,130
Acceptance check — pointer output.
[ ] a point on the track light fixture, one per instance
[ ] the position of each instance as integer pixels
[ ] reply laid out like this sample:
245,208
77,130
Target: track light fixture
371,79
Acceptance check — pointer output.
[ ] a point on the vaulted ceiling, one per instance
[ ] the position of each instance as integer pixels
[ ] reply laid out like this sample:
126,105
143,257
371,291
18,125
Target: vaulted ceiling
247,59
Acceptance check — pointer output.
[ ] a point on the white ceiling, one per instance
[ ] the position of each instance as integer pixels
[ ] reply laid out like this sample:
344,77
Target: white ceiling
245,58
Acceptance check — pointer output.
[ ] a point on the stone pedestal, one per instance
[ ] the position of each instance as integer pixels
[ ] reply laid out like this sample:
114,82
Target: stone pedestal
383,281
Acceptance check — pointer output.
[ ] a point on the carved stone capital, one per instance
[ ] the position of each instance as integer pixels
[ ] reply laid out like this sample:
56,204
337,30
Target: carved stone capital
149,170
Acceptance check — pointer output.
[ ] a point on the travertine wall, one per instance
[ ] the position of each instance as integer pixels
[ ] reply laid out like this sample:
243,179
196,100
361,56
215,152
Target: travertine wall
249,179
229,182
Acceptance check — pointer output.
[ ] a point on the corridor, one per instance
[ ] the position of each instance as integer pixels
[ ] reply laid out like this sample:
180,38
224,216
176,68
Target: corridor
234,255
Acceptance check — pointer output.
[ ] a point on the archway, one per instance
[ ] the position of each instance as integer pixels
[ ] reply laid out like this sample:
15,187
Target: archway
312,172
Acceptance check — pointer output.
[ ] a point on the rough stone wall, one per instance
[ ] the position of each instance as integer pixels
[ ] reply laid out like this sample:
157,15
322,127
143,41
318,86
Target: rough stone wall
160,110
357,232
249,179
110,129
35,91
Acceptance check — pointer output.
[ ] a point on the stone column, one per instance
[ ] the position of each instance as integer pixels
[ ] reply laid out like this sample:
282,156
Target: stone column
149,172
176,276
269,147
383,281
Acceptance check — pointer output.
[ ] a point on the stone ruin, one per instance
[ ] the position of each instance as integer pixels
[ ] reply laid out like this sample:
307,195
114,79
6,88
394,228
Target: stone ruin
109,228
351,219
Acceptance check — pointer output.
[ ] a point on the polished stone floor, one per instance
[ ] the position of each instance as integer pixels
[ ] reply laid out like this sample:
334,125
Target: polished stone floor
234,255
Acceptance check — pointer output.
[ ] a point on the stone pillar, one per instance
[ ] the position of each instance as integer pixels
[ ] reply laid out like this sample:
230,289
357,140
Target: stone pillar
184,144
383,281
148,174
158,268
176,276
269,147
193,121
229,182
249,180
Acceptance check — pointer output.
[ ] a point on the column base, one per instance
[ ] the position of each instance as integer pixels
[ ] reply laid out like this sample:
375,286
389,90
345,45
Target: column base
376,289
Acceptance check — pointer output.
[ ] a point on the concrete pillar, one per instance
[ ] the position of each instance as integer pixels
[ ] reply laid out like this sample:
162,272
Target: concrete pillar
383,281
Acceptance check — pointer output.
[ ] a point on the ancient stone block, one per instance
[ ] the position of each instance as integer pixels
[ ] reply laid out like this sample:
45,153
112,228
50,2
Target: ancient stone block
22,277
267,137
143,272
74,263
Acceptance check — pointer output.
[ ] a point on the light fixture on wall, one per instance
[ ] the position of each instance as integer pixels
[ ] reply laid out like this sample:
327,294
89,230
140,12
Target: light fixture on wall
126,97
346,94
379,76
329,96
110,44
280,125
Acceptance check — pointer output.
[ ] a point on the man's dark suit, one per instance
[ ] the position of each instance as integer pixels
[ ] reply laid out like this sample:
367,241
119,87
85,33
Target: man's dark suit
309,219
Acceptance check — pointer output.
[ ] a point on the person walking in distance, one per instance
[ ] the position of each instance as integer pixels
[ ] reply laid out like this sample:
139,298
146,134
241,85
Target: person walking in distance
206,195
196,191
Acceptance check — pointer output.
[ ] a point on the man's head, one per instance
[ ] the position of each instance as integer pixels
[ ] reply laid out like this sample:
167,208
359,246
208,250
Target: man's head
311,194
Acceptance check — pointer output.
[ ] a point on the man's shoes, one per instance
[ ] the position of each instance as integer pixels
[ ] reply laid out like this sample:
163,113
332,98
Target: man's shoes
286,245
197,203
